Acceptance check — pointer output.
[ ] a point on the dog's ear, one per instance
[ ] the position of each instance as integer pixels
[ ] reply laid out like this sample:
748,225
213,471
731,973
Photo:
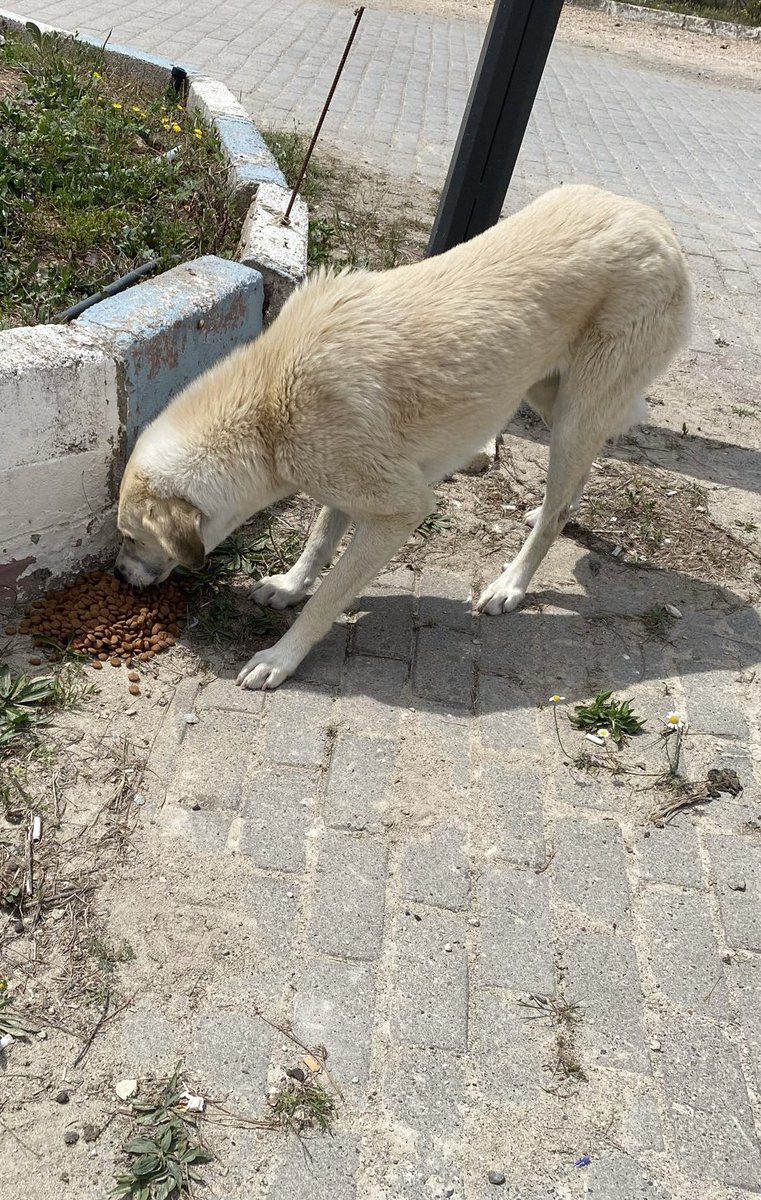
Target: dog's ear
177,526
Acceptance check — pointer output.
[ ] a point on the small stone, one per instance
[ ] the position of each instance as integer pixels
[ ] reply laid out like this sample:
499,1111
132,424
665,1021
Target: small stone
447,947
656,1045
673,611
35,660
71,1138
496,1177
355,1078
62,1097
736,885
134,690
191,719
90,1132
125,1088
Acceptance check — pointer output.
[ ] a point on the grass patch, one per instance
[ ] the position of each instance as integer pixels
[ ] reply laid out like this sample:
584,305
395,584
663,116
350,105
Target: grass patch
165,1150
27,702
304,1105
86,190
658,621
356,219
747,12
615,716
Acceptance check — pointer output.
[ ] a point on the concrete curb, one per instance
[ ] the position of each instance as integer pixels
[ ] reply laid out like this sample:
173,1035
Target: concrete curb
74,398
675,20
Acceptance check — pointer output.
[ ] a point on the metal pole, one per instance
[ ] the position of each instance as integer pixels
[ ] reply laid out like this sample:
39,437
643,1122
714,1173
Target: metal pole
501,97
358,15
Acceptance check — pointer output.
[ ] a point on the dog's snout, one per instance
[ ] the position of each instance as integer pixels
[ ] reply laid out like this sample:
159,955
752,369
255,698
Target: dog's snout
119,574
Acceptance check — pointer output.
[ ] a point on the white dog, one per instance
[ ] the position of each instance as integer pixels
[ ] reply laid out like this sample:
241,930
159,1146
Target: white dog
369,387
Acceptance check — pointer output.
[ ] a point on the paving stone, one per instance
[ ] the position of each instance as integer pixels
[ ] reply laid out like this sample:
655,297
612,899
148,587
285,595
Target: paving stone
515,930
602,976
509,1050
371,696
428,998
385,625
508,718
618,1175
705,1085
434,869
424,1091
349,896
279,810
509,642
509,802
324,664
359,782
447,600
297,722
262,972
445,667
231,1052
736,863
334,1007
711,704
328,1173
639,1122
670,854
207,770
589,870
745,976
226,695
684,957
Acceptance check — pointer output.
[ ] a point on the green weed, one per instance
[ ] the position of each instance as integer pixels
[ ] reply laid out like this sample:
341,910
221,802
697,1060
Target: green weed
164,1151
615,716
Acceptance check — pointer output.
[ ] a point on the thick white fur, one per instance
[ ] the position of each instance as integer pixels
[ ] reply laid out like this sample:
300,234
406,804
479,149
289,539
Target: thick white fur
369,387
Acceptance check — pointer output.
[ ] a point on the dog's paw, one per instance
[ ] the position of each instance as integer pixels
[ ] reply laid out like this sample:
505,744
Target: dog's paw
500,597
277,591
532,516
266,670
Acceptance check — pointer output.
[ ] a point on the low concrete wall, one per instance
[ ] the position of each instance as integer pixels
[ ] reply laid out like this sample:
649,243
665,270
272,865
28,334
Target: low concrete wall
74,398
675,20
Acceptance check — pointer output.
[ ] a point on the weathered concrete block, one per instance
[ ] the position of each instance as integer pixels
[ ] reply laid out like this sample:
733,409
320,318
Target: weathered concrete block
334,1007
435,870
445,667
279,810
251,161
683,952
590,870
359,783
602,977
171,329
277,250
429,1000
349,896
515,930
704,1082
60,421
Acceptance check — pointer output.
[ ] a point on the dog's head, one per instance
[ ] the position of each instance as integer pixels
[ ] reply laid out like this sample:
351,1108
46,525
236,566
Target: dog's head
159,533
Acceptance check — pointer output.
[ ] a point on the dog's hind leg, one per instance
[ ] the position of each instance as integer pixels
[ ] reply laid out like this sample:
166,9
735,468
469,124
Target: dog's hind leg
281,591
377,536
574,443
542,398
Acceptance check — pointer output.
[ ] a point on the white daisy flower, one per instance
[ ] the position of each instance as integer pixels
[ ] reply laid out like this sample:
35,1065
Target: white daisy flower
675,720
556,699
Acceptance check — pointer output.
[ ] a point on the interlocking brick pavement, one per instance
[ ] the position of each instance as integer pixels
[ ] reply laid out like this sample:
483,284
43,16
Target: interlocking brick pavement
399,852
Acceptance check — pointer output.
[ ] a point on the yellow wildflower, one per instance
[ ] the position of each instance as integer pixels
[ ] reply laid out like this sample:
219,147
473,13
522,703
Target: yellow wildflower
176,128
198,133
116,105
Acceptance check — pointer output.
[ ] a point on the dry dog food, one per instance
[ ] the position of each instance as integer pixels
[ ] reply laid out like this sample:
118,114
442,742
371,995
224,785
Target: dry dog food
107,619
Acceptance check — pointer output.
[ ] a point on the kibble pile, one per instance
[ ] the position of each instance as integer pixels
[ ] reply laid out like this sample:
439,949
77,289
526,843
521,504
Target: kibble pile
107,620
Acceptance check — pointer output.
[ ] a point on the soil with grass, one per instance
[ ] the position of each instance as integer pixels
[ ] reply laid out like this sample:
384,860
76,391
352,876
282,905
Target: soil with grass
98,174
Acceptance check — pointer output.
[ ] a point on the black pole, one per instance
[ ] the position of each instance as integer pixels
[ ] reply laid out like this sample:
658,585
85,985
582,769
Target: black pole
501,97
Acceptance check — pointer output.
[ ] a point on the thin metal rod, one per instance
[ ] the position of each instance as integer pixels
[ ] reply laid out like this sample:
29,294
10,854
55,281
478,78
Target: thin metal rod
358,14
111,289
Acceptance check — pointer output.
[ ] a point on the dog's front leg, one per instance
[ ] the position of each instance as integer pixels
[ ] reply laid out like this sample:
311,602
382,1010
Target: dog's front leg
282,591
374,542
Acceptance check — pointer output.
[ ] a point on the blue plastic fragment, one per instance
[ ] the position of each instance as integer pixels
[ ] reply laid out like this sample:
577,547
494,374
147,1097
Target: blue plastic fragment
584,1161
